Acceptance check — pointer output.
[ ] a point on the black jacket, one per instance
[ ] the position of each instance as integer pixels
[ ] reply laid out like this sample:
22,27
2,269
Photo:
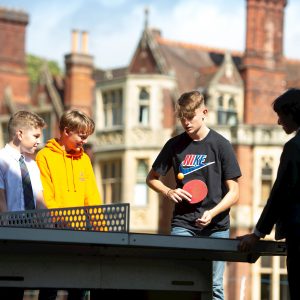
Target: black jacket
283,205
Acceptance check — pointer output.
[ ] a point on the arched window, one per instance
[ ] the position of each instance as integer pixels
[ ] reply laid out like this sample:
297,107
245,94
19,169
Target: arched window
231,104
144,107
266,182
227,114
141,188
221,111
220,102
232,113
113,108
111,172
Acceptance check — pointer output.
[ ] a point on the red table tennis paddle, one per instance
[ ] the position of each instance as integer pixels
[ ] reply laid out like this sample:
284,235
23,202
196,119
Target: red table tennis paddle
197,188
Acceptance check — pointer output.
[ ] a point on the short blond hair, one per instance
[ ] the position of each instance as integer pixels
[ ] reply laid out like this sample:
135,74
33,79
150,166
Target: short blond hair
24,120
188,103
76,120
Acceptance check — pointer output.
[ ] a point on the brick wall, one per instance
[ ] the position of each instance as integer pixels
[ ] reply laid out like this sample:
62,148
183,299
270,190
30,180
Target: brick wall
263,71
12,54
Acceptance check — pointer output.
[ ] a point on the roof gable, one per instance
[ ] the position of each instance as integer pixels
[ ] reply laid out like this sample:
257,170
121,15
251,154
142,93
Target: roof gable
147,58
227,73
143,62
193,65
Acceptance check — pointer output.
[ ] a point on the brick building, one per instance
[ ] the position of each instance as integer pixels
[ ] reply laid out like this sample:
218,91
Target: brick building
133,109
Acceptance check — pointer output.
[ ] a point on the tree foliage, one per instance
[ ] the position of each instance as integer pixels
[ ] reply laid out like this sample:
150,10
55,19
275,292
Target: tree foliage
34,65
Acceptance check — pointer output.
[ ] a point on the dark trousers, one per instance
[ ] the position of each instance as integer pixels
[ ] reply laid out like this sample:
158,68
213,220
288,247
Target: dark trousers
12,293
50,294
293,266
100,294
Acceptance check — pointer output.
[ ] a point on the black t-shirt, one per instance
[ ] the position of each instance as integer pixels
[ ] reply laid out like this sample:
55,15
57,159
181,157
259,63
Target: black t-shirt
211,160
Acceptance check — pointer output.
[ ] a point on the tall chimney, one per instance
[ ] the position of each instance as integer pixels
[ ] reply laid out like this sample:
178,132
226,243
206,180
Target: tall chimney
263,69
85,38
74,47
79,92
13,72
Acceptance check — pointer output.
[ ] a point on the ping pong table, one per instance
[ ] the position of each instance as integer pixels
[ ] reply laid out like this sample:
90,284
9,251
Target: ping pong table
162,265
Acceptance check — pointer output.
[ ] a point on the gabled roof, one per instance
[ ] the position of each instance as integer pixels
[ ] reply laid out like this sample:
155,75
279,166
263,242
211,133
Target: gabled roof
104,75
227,73
192,65
182,60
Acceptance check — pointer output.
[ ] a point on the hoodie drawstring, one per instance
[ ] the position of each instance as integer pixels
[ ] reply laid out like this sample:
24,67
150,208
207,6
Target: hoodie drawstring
68,188
73,174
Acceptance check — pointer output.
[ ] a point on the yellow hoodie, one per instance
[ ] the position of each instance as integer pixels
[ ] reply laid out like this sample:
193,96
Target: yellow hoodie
68,179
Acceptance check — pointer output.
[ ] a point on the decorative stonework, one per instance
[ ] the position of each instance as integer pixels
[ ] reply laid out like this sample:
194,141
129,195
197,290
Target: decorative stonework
110,138
140,136
270,135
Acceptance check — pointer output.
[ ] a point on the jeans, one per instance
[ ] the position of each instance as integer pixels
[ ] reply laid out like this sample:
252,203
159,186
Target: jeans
218,266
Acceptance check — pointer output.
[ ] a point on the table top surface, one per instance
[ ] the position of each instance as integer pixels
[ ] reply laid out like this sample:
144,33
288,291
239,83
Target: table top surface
129,243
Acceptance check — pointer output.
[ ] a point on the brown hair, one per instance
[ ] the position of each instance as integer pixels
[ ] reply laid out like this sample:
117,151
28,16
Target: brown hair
26,120
188,103
76,120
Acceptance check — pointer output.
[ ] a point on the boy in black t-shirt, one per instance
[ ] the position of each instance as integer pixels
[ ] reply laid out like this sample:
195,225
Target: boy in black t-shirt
199,153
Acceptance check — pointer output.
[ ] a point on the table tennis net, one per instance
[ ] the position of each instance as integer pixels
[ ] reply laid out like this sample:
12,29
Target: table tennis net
106,218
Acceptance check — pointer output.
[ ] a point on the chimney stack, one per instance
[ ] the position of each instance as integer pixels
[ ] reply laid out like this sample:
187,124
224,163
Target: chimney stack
79,92
13,71
263,69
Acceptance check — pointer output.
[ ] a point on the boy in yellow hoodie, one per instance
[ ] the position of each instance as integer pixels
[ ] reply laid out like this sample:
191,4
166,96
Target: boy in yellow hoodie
67,175
66,171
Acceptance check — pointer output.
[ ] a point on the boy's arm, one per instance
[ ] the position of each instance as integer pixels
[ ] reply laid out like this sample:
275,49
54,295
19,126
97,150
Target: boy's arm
156,184
40,203
176,195
92,196
228,200
48,188
3,204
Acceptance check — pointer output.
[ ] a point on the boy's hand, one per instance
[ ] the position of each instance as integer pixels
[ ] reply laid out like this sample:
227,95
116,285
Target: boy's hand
204,220
178,195
247,242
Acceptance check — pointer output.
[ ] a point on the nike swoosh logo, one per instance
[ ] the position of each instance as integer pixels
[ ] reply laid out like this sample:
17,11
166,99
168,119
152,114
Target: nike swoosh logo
190,170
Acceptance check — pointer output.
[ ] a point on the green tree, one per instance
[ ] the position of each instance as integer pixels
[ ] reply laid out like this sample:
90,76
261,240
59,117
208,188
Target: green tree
34,65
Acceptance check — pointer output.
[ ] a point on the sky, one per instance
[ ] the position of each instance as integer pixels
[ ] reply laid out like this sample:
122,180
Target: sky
115,26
